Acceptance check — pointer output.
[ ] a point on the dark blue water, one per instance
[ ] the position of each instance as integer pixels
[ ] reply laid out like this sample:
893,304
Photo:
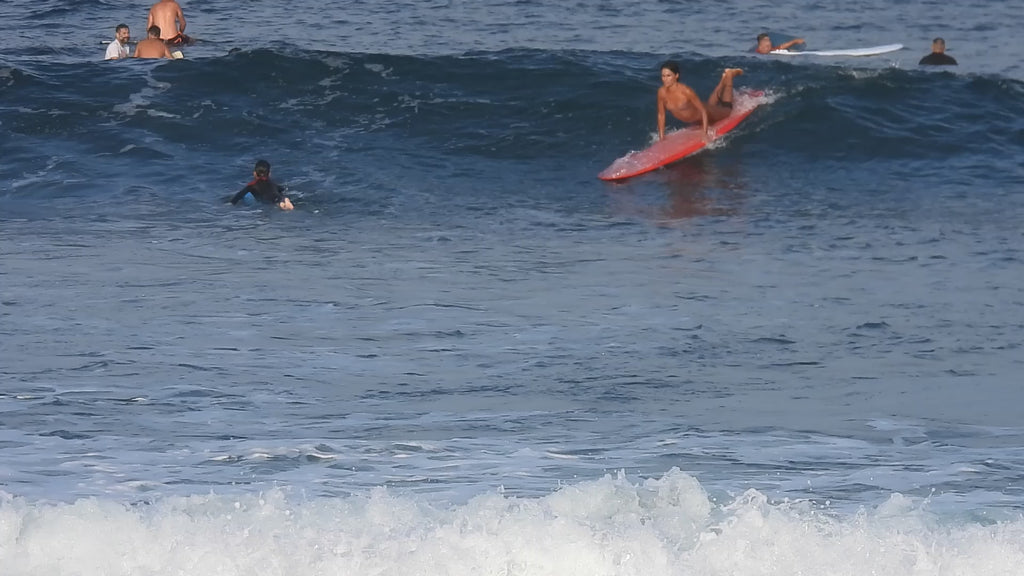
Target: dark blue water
190,128
463,353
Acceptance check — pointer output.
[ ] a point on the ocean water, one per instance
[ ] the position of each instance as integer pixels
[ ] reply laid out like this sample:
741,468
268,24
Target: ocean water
798,352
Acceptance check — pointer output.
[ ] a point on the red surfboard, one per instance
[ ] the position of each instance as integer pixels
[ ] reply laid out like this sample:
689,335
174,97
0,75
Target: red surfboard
681,143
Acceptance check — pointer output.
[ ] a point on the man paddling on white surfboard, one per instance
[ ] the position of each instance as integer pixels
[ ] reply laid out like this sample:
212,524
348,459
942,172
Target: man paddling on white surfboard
764,44
684,104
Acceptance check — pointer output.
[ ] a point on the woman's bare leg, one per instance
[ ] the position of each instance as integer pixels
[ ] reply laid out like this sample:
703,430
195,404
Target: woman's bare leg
722,94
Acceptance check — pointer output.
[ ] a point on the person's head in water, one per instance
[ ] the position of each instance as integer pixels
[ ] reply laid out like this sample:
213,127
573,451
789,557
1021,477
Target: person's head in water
938,46
153,31
669,72
262,170
764,43
122,33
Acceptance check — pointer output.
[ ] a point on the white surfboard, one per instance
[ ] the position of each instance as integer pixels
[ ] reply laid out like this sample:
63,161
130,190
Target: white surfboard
870,51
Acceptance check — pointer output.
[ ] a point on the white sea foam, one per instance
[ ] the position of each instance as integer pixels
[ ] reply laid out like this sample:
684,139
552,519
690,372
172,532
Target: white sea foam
142,100
609,526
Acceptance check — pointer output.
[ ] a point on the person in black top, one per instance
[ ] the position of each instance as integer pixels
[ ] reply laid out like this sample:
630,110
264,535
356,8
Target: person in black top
938,57
263,189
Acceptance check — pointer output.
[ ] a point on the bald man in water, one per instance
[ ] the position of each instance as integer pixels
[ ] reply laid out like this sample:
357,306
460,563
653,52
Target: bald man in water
938,57
168,16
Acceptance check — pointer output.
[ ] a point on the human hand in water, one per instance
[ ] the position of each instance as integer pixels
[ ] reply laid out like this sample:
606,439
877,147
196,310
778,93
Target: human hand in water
285,204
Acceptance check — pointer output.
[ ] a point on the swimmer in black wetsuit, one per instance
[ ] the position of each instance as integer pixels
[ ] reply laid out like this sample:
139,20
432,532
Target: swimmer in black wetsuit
938,57
263,189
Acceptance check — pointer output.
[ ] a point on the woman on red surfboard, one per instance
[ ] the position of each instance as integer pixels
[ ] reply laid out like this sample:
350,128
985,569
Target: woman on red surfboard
679,99
684,104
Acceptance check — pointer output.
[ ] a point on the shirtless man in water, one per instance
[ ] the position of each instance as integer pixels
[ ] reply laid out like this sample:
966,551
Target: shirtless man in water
167,15
153,46
684,104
